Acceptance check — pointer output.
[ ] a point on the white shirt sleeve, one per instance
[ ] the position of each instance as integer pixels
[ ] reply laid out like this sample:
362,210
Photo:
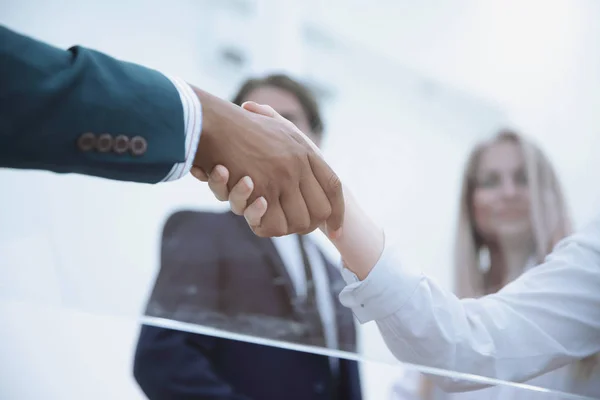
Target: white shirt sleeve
545,319
192,116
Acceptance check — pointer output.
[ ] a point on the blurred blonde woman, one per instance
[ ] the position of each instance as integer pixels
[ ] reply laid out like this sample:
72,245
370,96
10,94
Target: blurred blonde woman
512,213
542,328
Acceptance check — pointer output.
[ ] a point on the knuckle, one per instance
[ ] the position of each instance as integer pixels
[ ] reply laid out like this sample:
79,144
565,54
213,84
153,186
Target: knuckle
290,166
269,231
312,227
320,214
271,192
260,231
301,158
273,226
334,185
283,171
279,230
300,227
304,226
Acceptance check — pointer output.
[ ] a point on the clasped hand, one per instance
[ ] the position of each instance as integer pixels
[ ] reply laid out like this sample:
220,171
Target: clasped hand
268,169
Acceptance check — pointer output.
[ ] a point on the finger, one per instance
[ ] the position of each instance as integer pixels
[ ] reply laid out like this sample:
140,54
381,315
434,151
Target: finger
273,223
316,201
255,211
261,109
217,181
199,174
330,233
238,197
295,210
267,111
332,186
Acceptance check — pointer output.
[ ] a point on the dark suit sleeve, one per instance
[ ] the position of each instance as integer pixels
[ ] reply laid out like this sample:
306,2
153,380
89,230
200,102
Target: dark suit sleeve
175,365
172,364
49,97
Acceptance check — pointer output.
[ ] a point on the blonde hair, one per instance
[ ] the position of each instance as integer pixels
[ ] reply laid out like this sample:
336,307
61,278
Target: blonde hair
550,220
550,223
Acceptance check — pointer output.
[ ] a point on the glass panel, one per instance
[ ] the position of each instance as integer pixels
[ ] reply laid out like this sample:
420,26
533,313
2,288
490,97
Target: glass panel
72,354
80,254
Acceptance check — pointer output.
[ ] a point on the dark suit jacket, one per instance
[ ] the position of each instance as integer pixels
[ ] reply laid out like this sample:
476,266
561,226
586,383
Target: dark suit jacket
52,100
216,272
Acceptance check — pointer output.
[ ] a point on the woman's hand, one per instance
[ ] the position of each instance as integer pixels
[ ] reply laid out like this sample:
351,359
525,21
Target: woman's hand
238,197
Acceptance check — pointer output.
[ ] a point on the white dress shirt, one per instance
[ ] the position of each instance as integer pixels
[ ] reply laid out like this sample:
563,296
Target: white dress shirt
561,379
192,116
546,319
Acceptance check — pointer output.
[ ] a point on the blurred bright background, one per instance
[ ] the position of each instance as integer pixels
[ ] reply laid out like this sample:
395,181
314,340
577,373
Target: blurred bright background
407,88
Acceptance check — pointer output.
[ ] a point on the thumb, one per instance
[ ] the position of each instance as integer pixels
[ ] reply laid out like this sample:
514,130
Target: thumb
199,174
268,111
331,234
261,109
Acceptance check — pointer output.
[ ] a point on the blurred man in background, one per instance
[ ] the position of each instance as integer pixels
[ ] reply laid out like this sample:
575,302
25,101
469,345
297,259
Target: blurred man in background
215,272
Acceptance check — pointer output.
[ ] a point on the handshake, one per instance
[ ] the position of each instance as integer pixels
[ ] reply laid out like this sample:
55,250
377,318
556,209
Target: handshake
268,170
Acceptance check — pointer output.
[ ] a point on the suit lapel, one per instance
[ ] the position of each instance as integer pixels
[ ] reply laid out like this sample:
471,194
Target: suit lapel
281,275
345,323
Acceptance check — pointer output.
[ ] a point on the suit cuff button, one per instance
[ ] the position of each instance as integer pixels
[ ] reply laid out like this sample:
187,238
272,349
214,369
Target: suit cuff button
104,143
138,145
121,144
86,142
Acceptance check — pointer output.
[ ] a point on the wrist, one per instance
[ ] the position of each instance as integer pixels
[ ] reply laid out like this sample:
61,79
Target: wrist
204,154
362,241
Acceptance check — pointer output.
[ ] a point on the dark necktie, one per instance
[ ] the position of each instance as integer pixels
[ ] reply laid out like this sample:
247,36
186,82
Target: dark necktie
310,307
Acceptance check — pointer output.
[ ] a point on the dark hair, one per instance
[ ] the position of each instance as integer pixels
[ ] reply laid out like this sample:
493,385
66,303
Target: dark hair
304,95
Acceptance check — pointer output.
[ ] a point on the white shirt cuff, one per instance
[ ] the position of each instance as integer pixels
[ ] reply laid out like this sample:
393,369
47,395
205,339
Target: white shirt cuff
192,117
385,290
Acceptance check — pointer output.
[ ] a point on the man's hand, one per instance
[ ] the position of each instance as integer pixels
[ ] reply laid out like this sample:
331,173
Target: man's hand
361,243
286,170
254,211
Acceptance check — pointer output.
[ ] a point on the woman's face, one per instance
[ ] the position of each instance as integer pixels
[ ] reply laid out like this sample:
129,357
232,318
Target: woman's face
286,104
501,195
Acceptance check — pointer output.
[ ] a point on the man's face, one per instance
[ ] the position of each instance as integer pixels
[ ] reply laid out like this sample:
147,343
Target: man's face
287,105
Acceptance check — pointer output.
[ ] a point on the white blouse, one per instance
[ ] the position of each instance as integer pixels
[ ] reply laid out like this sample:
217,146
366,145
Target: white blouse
543,321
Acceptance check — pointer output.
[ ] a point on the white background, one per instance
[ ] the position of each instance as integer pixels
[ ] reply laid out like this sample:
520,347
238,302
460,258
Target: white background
412,86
